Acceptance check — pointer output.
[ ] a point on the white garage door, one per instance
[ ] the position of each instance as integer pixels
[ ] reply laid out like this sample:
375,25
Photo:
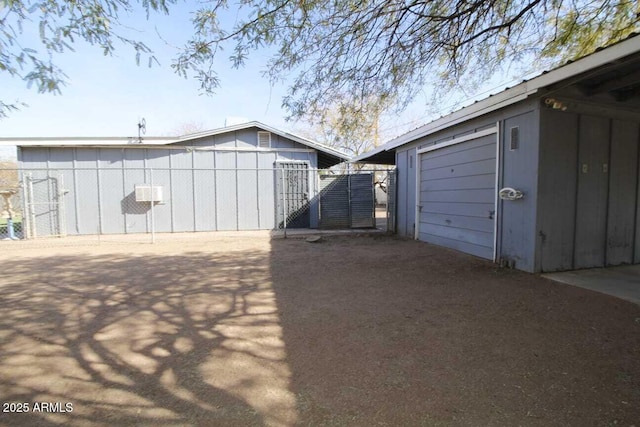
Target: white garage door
457,194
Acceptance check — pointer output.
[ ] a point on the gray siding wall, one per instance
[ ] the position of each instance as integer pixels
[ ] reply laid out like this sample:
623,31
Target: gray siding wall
557,189
406,162
621,215
519,170
588,198
243,139
204,190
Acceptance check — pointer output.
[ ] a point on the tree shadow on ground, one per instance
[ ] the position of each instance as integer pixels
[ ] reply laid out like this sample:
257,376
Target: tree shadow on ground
384,331
348,331
143,340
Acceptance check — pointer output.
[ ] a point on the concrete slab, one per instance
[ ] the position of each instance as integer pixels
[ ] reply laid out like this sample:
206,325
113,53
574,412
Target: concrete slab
622,282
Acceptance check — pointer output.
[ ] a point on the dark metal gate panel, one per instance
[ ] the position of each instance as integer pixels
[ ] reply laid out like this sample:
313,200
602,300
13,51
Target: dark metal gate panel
292,184
347,201
362,206
334,201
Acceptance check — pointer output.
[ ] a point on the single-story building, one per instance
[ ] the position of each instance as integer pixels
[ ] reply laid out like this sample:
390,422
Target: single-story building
223,179
542,176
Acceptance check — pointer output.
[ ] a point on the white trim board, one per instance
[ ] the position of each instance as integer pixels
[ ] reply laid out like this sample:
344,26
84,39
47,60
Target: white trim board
497,182
187,148
459,140
464,138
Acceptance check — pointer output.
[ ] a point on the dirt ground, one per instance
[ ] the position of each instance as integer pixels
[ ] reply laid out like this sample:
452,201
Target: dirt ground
240,329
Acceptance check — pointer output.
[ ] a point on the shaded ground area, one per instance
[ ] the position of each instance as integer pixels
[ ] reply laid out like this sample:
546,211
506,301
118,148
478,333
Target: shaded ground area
242,330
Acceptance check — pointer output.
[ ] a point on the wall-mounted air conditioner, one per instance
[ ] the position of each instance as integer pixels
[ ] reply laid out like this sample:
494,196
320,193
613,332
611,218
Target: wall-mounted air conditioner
147,193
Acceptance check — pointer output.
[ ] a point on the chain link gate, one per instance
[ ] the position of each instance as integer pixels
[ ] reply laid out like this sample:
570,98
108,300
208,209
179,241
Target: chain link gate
43,199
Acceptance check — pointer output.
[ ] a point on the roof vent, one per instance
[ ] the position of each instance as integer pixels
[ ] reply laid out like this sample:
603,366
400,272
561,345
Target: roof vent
264,139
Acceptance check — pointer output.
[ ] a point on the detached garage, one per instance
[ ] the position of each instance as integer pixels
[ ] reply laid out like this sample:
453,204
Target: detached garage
541,177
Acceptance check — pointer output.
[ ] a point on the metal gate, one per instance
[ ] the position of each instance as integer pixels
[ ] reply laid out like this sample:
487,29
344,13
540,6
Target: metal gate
292,189
43,205
347,201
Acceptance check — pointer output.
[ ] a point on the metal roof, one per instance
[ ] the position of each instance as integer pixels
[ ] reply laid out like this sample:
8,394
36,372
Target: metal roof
609,55
289,135
327,156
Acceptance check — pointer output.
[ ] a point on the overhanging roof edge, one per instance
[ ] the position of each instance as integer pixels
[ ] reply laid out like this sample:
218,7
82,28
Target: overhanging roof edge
517,93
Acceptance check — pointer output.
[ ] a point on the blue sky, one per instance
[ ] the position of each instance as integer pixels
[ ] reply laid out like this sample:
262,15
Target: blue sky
106,96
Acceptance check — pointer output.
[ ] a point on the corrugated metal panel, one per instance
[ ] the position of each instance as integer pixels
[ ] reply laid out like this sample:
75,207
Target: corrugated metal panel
347,201
85,194
112,200
162,212
362,200
596,196
266,190
557,189
181,186
446,195
334,201
227,190
593,181
135,213
248,196
182,205
622,192
204,190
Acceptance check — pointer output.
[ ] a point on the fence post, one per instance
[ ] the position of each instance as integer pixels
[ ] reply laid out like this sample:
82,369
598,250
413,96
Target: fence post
284,204
33,233
349,199
153,220
62,219
25,208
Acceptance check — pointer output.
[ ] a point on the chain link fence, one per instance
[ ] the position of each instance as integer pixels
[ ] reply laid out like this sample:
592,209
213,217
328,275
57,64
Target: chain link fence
11,215
137,204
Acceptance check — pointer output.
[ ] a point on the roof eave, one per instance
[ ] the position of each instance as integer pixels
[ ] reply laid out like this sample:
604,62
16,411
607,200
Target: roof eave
521,91
159,141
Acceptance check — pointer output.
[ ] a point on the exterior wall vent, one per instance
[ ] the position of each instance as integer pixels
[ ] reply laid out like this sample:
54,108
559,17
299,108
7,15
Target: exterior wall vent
147,193
514,142
264,139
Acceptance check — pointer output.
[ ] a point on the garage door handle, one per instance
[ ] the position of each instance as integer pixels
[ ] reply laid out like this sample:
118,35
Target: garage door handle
491,214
